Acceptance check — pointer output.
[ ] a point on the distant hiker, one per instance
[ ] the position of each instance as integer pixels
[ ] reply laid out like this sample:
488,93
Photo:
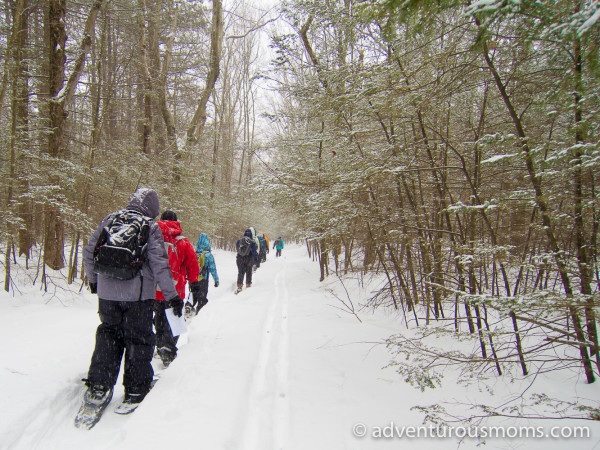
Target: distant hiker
247,255
278,244
263,248
267,240
206,261
126,297
184,267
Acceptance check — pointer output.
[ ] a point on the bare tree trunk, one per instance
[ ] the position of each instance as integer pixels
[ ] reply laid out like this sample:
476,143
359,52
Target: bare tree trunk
54,227
145,126
162,89
216,44
583,258
20,8
60,98
18,185
154,70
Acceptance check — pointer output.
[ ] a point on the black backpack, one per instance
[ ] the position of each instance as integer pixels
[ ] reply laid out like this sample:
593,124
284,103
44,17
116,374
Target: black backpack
245,247
121,248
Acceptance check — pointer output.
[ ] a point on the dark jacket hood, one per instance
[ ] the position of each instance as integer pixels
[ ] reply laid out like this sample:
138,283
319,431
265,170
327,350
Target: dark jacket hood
145,201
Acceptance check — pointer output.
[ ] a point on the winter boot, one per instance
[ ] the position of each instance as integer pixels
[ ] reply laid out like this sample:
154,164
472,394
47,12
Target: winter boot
166,355
98,395
248,285
239,288
130,403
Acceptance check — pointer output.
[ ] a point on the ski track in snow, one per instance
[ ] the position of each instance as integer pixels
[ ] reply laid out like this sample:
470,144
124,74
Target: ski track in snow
282,399
273,361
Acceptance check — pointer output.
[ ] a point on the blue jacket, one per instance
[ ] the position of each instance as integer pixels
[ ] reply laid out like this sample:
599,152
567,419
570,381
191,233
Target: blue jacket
203,245
248,233
263,243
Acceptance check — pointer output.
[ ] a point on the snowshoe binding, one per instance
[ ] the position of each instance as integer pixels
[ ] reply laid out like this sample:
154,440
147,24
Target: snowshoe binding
95,401
189,311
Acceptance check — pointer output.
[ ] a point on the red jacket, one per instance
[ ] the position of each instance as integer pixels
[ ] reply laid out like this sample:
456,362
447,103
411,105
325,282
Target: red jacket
183,261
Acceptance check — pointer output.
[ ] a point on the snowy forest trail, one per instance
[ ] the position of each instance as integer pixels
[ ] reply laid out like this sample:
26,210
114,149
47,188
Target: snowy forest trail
255,370
279,366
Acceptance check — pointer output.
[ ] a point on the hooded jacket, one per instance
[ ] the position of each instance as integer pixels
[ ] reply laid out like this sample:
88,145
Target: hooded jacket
183,262
203,245
253,247
155,268
278,243
255,237
266,239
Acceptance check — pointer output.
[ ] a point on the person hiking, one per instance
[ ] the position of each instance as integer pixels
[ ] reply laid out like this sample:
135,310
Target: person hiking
247,255
256,263
208,268
184,267
262,253
125,301
278,244
267,240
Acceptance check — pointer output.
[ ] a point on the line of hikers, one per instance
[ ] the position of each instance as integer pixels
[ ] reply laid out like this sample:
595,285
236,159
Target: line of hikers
251,252
139,268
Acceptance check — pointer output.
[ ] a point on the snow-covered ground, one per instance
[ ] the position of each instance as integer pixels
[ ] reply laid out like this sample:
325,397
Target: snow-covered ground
278,366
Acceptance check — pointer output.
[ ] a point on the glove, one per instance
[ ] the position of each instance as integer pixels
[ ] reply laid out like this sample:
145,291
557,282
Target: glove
93,288
216,284
177,304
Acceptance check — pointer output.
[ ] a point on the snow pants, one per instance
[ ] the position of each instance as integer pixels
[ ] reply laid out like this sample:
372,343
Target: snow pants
244,265
164,336
125,329
202,294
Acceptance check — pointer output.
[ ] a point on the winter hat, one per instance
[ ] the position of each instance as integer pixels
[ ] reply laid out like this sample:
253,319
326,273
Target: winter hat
145,200
168,215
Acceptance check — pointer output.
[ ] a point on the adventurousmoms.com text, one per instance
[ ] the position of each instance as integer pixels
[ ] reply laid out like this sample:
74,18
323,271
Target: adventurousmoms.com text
393,431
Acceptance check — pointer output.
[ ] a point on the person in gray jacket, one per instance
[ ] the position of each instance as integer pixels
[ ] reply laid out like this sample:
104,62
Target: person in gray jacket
125,309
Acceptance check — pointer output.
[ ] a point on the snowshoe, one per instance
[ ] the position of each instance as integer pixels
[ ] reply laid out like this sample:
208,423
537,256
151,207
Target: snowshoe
95,401
189,311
